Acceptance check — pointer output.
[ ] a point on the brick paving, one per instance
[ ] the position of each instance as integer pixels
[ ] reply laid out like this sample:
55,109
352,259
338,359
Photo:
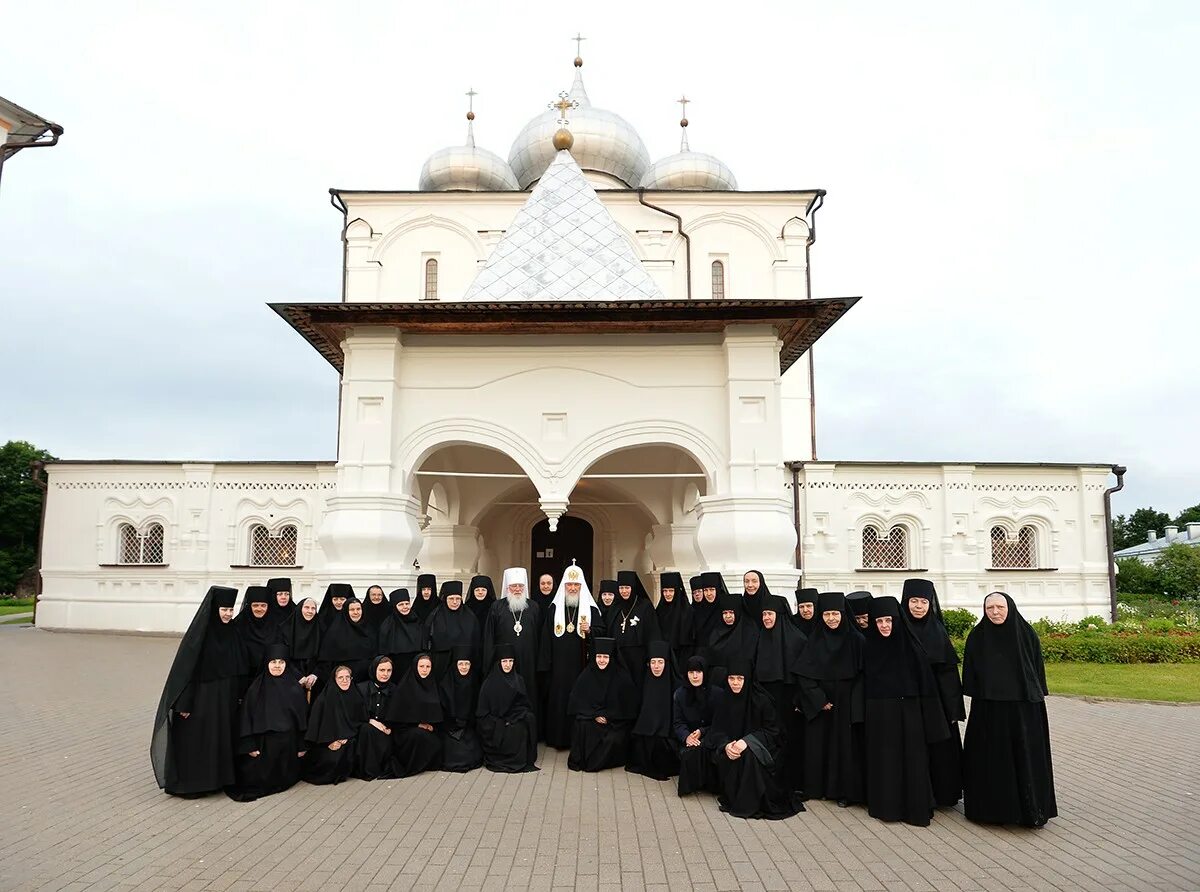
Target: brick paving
79,809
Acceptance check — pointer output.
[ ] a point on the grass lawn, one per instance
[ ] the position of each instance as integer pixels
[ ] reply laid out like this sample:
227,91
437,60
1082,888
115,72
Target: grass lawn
14,622
1136,681
7,610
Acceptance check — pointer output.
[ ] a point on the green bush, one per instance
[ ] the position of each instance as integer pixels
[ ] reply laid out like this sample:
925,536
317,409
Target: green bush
1135,576
1092,623
958,621
1178,569
1094,647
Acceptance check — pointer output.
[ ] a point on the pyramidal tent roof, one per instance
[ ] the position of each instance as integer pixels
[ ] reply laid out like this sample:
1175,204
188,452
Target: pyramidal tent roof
563,245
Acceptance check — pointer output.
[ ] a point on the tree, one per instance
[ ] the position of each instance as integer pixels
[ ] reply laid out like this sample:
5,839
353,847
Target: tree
1188,515
1178,568
20,510
1137,578
1132,530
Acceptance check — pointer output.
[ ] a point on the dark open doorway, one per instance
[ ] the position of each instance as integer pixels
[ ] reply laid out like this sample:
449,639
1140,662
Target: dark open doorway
552,552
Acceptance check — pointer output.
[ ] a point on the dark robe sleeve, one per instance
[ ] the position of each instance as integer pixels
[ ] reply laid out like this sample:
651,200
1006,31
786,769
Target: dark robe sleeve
679,723
810,697
653,632
489,638
186,698
858,701
950,692
543,660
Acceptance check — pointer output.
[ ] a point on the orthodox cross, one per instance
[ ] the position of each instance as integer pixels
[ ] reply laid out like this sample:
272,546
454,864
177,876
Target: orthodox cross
683,101
578,43
565,102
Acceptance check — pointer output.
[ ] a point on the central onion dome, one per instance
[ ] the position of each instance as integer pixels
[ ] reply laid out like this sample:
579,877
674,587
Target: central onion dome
604,142
466,168
688,170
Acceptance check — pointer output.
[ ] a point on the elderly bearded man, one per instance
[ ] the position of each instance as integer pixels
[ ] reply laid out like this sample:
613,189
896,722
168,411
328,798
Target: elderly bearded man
515,619
572,623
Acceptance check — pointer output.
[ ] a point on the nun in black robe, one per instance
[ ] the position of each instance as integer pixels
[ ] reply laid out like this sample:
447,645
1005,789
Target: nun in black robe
459,689
333,728
451,626
780,648
714,592
271,726
806,603
830,696
692,717
633,625
859,604
373,748
945,756
481,595
505,719
744,743
427,599
604,705
280,607
1008,777
755,595
348,641
254,627
903,716
607,599
402,635
732,636
653,751
334,602
191,748
566,636
375,607
301,633
699,609
675,620
414,713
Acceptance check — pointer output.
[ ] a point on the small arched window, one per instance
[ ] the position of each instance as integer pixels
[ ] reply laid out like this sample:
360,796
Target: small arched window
718,280
272,548
1018,553
144,546
431,279
886,553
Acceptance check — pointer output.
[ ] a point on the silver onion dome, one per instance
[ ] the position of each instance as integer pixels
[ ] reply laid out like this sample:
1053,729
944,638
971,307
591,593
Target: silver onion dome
688,170
466,168
604,142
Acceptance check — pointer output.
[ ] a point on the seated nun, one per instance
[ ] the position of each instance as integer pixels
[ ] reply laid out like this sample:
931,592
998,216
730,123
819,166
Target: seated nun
414,713
505,719
604,704
744,742
271,730
653,751
373,748
333,728
692,720
460,694
1008,777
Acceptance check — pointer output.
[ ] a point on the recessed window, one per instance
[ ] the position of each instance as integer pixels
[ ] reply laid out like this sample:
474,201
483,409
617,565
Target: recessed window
885,553
718,280
1019,553
144,546
273,548
431,273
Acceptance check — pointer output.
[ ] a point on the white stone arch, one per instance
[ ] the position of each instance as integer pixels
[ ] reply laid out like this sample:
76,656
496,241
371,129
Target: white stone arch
427,439
358,228
1044,543
754,226
690,440
398,232
914,532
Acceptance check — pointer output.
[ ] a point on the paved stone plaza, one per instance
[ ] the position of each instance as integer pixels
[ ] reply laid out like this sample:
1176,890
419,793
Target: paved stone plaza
79,809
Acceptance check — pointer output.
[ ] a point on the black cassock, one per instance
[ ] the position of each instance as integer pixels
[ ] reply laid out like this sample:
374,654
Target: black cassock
271,723
692,712
1008,775
653,751
373,749
257,633
505,720
449,629
568,655
676,620
336,716
349,643
500,628
303,640
778,653
605,693
632,625
747,787
402,636
728,642
195,755
461,750
416,701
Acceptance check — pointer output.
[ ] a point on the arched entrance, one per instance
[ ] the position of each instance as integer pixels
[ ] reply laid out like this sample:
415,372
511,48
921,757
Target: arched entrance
552,552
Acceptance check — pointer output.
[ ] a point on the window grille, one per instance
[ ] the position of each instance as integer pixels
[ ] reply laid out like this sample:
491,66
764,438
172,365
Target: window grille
1014,554
272,549
886,554
431,273
140,547
718,280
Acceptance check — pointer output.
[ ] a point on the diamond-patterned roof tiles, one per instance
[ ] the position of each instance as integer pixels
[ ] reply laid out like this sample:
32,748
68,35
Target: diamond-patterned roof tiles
563,245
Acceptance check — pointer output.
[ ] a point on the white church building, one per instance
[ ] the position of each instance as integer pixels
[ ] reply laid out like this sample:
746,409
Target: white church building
572,354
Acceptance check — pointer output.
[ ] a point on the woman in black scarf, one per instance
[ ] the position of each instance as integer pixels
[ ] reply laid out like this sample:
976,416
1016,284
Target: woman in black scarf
713,591
402,635
755,596
414,714
923,615
903,717
505,718
744,742
732,636
349,641
692,716
859,604
281,605
652,748
674,614
191,748
459,690
373,748
271,725
427,596
375,607
334,602
604,704
608,598
1008,777
481,597
805,618
830,696
301,634
632,625
780,648
451,626
255,628
333,728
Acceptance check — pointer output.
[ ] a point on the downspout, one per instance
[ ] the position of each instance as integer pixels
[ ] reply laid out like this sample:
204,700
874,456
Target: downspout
1119,470
53,129
812,368
796,512
37,468
687,241
338,204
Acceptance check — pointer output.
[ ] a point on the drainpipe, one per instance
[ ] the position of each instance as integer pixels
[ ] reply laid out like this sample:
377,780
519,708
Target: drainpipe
812,368
795,469
55,132
38,468
1119,470
687,241
339,205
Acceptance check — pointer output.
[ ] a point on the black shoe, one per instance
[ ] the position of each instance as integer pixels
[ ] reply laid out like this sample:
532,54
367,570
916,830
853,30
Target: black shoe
843,803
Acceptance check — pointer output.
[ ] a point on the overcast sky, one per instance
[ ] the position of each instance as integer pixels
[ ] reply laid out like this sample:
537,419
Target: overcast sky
1012,189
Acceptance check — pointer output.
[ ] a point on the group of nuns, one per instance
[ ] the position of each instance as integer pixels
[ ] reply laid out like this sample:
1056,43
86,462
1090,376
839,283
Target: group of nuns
850,698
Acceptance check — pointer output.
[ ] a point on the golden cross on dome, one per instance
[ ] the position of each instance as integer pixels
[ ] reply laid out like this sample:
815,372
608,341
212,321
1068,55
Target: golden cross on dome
564,104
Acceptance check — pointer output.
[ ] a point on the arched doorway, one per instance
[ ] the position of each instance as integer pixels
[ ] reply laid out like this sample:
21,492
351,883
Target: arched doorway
552,552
